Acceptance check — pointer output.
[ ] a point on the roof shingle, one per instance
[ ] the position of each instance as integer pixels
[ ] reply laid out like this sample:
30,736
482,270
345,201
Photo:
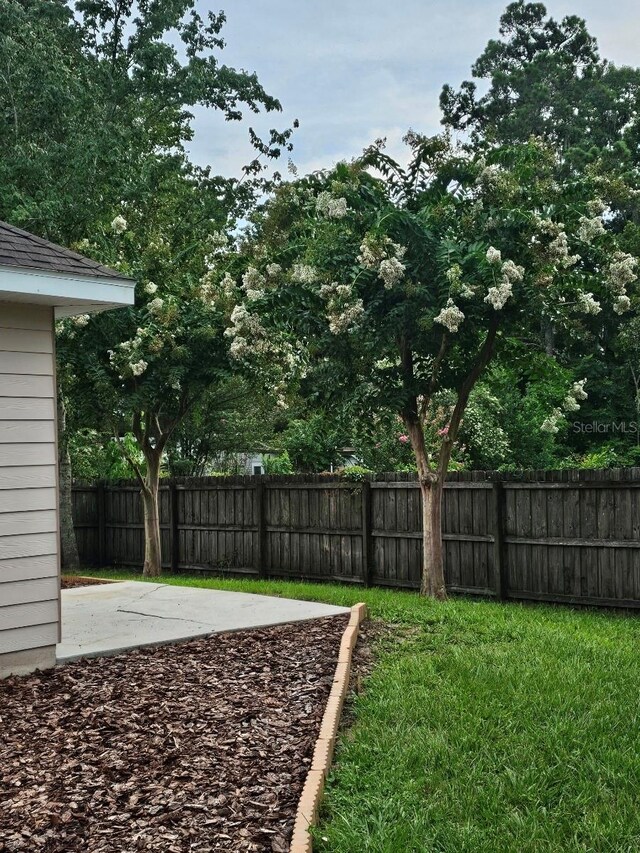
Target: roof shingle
21,249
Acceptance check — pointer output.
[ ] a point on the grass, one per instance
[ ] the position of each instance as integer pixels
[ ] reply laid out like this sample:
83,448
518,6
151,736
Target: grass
483,727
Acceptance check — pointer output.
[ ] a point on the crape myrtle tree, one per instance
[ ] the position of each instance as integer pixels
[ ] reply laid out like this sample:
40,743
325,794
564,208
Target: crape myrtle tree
397,284
140,370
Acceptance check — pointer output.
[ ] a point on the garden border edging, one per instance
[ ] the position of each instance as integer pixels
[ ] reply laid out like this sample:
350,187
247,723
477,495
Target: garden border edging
309,803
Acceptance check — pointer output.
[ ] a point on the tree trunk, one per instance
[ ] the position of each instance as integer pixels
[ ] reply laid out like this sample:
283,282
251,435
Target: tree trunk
68,544
431,484
432,582
549,336
152,548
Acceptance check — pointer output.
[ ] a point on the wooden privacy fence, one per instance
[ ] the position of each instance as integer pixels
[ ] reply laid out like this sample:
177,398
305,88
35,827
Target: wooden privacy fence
563,536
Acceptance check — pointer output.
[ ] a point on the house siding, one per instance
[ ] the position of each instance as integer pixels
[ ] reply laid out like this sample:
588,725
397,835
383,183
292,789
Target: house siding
29,543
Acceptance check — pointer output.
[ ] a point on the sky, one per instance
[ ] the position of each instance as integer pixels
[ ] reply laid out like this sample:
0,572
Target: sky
354,70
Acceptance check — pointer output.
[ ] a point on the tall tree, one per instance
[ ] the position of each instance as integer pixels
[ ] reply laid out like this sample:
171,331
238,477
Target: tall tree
546,78
398,289
140,370
91,90
97,100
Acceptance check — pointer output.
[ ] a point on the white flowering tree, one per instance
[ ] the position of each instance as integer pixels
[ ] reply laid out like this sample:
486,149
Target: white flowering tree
394,285
144,368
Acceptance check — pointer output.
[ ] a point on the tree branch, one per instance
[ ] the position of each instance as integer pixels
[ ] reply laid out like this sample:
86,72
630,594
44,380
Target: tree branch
482,359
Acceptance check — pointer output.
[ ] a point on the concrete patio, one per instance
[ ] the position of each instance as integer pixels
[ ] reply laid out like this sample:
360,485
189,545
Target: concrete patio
109,618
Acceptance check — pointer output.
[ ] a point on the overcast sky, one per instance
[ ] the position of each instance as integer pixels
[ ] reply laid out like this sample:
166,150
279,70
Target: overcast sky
355,70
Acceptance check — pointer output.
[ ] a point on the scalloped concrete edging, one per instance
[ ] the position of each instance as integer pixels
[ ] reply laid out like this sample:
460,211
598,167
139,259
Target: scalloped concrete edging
98,580
309,804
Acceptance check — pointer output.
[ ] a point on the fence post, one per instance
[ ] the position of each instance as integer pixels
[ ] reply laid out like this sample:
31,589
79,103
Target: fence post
261,551
367,550
175,533
101,508
500,576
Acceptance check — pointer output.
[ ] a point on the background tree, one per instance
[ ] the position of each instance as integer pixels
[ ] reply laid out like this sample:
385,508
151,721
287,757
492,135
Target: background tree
229,421
397,290
546,79
92,90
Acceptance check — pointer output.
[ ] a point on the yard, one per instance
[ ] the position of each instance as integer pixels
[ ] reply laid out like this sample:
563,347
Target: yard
483,727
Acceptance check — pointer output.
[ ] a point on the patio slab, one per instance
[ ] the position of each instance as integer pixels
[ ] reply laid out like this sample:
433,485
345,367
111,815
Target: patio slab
111,618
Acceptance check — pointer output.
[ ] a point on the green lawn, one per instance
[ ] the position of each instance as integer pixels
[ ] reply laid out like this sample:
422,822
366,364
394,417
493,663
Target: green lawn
484,727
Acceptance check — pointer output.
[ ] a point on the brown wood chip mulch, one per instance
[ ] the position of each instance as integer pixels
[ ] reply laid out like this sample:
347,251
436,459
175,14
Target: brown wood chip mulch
70,581
201,746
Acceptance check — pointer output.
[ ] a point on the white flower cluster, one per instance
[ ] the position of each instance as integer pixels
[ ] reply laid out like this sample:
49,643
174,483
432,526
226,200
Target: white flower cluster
273,270
304,274
512,271
343,309
247,333
577,390
550,424
253,284
81,320
557,250
450,317
346,317
228,285
587,303
371,253
457,286
589,229
622,304
385,256
596,207
498,295
119,225
330,206
217,242
212,291
127,360
491,177
494,256
150,288
139,367
391,272
621,272
571,403
155,306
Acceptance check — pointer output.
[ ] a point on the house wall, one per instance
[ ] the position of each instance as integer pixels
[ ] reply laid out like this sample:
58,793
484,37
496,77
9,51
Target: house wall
29,549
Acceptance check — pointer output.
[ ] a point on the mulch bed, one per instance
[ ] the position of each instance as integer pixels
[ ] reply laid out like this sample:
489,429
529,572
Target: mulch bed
69,581
202,746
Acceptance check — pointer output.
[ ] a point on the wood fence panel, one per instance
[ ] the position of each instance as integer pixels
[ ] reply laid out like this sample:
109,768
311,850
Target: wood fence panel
85,518
569,536
313,532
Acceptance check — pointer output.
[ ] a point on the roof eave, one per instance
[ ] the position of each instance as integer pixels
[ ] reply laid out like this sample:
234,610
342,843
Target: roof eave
68,294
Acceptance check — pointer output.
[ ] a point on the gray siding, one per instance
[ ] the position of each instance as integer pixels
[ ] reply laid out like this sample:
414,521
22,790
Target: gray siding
29,558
